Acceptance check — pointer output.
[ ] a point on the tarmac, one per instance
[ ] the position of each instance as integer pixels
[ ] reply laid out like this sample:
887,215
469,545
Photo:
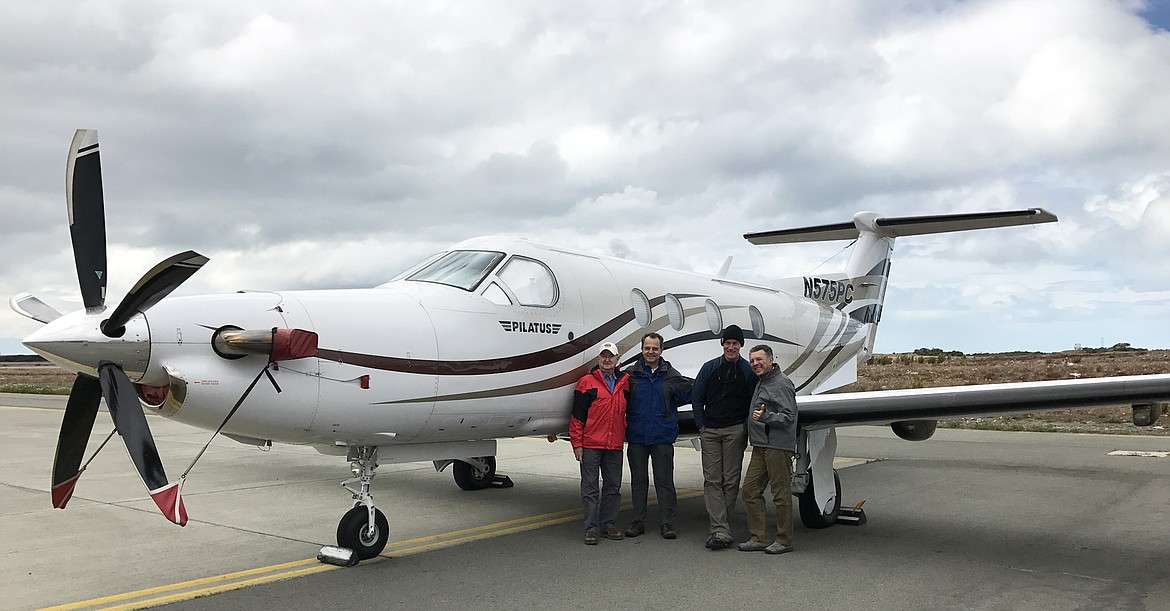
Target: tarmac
971,519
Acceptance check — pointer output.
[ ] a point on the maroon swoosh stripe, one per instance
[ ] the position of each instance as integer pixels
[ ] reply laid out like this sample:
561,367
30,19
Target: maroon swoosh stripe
502,364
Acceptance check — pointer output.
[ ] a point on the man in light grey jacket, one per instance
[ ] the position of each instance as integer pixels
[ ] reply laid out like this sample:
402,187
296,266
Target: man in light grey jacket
771,429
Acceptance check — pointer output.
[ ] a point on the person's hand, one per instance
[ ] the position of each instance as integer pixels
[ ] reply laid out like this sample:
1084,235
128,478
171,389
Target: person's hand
759,413
577,452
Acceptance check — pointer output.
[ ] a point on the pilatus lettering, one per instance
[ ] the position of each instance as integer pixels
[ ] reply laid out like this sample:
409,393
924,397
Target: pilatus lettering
520,326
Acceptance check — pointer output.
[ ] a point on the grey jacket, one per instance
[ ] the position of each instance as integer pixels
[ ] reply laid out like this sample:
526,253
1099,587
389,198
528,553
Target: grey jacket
777,428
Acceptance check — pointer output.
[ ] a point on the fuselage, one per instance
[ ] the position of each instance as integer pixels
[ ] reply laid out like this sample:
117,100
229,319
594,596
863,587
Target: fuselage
485,341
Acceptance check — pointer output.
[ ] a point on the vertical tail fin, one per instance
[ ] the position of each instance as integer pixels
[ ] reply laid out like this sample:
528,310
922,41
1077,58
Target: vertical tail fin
868,269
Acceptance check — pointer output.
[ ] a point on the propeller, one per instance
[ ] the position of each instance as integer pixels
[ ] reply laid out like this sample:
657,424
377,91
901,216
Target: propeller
87,228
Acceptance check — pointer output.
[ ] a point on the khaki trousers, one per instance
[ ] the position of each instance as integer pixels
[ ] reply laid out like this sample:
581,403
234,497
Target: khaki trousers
769,467
722,463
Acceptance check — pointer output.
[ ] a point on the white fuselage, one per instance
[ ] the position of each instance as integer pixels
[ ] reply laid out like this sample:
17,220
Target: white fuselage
448,364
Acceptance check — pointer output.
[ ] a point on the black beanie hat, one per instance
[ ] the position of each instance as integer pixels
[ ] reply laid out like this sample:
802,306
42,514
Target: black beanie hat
733,332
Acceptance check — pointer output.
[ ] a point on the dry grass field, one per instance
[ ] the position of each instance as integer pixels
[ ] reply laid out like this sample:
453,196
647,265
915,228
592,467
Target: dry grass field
914,371
887,371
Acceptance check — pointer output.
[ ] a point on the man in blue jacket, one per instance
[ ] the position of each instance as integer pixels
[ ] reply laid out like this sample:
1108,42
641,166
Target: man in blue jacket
656,392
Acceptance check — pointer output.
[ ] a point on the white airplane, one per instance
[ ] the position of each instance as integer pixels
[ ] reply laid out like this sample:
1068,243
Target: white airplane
480,342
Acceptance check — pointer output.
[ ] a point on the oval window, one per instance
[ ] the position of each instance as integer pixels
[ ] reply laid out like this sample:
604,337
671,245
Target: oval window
714,317
757,322
674,312
641,307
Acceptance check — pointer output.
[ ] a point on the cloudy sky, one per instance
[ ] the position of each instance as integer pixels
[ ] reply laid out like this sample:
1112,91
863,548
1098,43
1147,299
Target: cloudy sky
314,145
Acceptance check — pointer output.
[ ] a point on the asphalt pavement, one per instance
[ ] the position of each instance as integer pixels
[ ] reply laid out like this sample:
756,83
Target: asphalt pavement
970,519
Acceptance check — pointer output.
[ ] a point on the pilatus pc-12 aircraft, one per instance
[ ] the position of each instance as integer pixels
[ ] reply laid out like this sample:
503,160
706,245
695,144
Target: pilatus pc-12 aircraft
480,342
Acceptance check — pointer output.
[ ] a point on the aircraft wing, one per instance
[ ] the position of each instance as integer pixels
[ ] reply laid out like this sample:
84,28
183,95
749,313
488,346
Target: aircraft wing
886,406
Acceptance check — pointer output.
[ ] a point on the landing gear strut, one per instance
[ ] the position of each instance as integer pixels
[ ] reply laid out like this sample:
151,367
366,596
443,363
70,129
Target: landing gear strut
364,528
815,483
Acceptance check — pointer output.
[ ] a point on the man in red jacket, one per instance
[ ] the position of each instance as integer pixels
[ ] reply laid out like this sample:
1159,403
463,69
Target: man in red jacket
597,430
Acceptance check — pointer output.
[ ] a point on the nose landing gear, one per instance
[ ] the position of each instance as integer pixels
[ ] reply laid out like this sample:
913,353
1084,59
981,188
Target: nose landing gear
364,528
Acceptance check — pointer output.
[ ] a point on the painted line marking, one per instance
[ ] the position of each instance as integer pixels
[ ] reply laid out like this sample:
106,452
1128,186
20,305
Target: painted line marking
195,588
1139,453
250,577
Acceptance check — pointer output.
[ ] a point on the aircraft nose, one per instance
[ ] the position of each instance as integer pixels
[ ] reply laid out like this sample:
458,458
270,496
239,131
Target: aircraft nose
75,342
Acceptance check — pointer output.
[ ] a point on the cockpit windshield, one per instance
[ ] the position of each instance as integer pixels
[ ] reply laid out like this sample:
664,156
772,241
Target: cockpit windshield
464,269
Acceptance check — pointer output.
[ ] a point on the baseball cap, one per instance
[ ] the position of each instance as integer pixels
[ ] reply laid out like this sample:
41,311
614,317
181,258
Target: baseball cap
609,347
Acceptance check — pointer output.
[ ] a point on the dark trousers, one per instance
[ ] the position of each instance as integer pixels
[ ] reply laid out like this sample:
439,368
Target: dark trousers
601,514
662,455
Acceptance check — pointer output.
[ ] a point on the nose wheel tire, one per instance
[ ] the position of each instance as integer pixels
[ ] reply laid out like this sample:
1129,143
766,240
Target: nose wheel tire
469,478
352,532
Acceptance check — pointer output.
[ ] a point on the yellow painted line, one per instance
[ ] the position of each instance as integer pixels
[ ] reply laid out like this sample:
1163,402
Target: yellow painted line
31,409
177,586
233,581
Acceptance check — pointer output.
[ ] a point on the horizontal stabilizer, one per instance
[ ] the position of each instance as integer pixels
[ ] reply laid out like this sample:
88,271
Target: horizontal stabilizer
898,226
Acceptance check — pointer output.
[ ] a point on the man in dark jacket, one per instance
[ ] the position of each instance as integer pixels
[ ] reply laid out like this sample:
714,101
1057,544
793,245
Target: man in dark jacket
720,400
772,432
597,430
656,392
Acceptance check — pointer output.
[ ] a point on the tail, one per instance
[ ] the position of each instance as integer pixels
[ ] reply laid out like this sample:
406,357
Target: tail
862,290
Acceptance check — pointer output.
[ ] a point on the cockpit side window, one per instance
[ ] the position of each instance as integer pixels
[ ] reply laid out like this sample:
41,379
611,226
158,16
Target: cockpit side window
530,281
496,295
463,269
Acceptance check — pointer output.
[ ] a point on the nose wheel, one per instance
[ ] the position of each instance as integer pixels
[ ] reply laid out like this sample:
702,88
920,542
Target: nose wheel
367,539
364,528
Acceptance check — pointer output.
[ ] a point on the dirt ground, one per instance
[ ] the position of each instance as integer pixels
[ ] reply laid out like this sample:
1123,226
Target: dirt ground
887,371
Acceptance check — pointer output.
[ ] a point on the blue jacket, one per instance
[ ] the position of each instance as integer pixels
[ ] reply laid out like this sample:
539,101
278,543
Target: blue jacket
652,411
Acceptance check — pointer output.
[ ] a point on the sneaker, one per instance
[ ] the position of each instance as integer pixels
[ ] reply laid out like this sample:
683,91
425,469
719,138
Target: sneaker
590,537
777,548
668,532
752,545
636,528
613,533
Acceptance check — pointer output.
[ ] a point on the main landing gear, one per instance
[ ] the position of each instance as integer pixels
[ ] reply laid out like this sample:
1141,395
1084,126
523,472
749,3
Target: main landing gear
815,482
364,528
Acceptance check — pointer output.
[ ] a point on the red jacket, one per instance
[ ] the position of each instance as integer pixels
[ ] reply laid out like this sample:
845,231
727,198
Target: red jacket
599,415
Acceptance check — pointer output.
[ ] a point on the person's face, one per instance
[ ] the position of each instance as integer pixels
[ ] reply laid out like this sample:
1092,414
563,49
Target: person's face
760,361
651,351
731,349
607,361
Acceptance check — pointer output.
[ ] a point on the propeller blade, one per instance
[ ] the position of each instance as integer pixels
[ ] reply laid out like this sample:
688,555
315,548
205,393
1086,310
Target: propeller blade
131,423
87,216
30,307
80,412
152,287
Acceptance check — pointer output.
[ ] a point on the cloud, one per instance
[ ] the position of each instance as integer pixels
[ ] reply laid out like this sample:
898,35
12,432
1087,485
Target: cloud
301,146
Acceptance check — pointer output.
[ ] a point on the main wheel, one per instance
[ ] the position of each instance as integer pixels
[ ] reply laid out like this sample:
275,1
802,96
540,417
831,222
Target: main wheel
352,532
810,512
469,478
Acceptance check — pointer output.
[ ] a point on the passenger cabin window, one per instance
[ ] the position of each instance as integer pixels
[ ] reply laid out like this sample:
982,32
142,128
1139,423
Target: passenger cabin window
531,282
463,269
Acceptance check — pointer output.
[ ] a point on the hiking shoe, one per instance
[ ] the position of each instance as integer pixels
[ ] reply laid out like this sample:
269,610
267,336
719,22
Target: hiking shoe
719,541
590,537
636,528
613,533
777,548
752,545
668,532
